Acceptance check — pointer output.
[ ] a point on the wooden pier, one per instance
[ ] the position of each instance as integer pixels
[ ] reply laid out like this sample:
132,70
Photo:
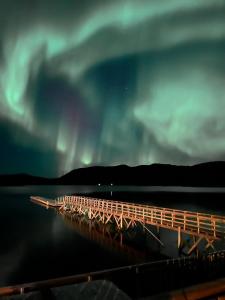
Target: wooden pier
45,202
200,226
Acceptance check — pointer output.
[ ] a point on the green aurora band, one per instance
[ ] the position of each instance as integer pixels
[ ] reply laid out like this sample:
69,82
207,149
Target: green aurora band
111,82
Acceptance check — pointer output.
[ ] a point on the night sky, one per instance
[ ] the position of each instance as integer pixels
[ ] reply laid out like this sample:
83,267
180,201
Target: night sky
110,82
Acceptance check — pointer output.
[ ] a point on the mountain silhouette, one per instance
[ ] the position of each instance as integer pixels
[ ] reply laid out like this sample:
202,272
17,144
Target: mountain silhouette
204,174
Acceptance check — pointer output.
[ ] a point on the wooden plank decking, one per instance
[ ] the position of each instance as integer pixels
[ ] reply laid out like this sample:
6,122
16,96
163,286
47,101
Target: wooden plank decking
45,202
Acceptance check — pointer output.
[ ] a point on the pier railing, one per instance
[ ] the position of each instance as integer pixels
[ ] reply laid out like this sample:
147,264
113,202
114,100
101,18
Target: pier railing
194,223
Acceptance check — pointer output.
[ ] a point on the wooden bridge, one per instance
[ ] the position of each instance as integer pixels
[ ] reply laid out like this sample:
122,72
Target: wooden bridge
200,226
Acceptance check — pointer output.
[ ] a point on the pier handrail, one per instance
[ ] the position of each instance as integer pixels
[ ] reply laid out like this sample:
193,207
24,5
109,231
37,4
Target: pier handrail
195,223
143,206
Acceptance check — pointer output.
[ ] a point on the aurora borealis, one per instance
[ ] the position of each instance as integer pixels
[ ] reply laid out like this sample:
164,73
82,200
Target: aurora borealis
110,82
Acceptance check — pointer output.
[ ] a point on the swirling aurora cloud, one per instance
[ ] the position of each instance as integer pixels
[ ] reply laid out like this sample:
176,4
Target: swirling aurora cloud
109,82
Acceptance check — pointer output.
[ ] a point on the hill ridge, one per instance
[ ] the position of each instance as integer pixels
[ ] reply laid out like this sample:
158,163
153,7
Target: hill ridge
202,174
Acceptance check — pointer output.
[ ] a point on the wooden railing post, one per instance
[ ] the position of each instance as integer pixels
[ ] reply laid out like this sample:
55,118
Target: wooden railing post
214,228
198,224
179,238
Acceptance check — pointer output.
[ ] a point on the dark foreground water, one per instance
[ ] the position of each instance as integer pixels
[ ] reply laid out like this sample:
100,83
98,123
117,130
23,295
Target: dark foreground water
37,244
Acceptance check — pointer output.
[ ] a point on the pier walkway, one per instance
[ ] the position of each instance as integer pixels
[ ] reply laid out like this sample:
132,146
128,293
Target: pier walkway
201,226
45,202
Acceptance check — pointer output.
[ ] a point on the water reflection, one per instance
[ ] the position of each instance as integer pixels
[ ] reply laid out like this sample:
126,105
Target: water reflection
107,236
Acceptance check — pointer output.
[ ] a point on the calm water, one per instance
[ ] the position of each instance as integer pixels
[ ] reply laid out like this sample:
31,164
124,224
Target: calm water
37,243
